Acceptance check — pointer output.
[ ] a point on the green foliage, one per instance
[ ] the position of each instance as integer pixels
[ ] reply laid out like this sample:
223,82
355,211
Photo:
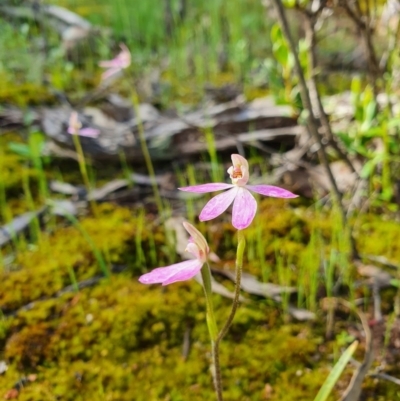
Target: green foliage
201,41
283,83
337,370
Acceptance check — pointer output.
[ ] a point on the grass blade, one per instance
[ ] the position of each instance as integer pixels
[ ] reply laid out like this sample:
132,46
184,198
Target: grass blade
335,373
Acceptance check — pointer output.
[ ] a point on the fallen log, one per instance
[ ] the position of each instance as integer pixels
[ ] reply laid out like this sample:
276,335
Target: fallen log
168,137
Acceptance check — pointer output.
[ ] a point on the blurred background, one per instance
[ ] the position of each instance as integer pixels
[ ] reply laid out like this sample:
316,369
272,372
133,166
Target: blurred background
107,107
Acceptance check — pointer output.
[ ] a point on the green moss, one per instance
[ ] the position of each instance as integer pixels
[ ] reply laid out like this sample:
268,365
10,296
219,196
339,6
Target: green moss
25,94
12,166
45,269
121,340
378,236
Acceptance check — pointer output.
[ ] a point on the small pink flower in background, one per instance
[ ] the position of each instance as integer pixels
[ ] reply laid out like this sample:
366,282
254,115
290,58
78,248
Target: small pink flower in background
75,127
117,64
182,271
244,203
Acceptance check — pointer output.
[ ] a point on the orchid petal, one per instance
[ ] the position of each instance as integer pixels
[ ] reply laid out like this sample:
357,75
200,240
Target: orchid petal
270,190
192,267
177,272
74,124
89,132
203,188
122,60
196,252
244,209
114,63
197,238
109,73
218,204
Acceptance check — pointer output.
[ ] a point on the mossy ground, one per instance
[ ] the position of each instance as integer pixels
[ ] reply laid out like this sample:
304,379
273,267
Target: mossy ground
121,340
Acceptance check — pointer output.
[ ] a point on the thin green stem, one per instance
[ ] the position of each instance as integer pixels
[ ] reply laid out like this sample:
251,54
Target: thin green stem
83,170
146,153
216,370
35,224
239,266
212,329
215,349
211,323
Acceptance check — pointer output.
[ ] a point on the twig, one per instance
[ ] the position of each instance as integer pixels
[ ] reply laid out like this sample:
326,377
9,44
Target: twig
365,31
311,119
311,20
387,377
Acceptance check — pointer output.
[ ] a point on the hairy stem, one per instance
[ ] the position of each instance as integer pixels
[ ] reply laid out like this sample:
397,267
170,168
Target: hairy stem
238,278
228,323
212,330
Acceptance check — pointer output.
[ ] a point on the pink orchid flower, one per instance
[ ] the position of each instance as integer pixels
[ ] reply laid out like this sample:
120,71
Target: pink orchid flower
121,61
182,271
75,127
245,205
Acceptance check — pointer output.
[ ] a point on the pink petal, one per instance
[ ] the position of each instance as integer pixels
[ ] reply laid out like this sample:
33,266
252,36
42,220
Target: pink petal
203,188
197,238
218,204
110,72
167,275
270,190
244,209
114,63
89,132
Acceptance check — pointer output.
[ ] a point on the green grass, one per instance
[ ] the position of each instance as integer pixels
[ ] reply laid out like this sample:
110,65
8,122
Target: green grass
197,45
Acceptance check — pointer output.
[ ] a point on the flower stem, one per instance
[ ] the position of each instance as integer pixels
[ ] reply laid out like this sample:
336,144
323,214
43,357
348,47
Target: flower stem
212,329
239,265
83,170
146,153
211,323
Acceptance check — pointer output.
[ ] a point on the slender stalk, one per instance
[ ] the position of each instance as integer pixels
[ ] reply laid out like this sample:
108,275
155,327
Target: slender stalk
238,279
146,153
212,329
83,170
216,343
35,224
211,323
216,370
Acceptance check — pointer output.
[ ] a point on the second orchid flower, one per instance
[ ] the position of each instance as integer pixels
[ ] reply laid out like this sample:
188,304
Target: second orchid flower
182,271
